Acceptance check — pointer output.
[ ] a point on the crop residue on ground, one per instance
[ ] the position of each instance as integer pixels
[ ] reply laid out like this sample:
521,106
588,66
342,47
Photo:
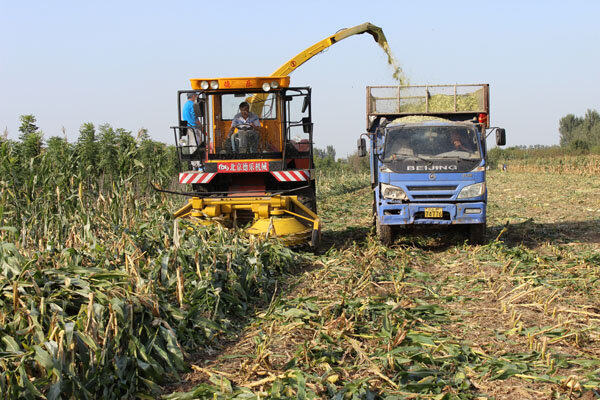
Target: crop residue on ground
430,316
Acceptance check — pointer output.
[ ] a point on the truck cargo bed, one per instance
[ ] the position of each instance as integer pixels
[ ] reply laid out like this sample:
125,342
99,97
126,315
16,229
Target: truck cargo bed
436,100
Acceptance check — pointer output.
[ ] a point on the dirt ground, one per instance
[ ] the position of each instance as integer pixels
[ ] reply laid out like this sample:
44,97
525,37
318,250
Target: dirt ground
431,316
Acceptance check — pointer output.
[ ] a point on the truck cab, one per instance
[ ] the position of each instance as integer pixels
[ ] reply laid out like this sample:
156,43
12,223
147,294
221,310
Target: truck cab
428,156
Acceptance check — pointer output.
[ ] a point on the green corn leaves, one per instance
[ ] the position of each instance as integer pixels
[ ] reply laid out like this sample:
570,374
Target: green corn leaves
81,318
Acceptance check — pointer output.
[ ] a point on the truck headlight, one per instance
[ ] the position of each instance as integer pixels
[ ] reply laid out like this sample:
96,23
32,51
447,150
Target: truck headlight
214,85
392,192
204,85
266,86
476,190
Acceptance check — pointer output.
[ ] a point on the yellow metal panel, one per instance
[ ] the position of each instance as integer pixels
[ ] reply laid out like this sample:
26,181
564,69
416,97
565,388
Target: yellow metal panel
292,228
196,203
262,210
212,211
243,82
288,229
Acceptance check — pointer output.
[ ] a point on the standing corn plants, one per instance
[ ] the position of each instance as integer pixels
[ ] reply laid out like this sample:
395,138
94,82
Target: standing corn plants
97,300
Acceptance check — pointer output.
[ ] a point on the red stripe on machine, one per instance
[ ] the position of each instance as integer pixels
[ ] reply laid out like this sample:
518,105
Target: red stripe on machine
301,174
196,177
291,176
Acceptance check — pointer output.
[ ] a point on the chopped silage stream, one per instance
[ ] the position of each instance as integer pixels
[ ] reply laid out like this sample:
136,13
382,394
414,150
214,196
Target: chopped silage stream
430,316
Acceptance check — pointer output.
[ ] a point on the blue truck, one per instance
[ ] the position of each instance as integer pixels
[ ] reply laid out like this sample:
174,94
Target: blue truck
427,150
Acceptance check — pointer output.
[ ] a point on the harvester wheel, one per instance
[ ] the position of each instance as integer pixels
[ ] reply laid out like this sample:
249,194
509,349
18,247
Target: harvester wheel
477,233
315,239
309,202
384,232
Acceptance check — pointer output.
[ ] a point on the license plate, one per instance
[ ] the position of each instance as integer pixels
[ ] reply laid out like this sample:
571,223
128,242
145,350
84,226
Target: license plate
433,213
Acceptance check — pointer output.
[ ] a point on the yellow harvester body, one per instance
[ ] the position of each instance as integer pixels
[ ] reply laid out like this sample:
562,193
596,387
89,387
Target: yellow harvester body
269,183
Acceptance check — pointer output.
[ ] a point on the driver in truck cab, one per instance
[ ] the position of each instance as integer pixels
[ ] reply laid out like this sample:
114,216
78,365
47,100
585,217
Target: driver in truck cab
248,124
458,142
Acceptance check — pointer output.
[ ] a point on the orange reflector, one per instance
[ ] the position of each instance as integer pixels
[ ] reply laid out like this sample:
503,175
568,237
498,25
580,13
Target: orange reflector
483,119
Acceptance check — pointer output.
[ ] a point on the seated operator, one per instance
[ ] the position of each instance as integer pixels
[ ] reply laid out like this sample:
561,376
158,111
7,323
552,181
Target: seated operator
458,142
248,124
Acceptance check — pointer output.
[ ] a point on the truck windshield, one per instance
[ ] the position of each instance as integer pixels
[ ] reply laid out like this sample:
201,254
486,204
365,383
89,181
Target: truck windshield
431,142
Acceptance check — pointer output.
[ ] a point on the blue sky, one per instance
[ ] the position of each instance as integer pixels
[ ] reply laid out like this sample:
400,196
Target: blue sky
121,62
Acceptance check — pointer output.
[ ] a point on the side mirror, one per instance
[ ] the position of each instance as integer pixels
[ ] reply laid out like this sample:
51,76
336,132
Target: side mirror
500,137
362,147
304,104
307,125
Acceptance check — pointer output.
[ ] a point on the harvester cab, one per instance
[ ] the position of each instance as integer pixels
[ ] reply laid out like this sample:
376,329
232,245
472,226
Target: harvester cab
258,168
254,169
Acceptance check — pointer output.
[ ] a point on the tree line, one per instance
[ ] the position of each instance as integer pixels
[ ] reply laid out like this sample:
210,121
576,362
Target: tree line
578,136
581,133
326,159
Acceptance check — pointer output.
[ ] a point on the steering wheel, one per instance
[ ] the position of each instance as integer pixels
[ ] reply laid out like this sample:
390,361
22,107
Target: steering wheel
245,127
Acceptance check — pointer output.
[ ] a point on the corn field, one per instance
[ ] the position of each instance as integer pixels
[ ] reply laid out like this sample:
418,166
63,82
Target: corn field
577,165
104,295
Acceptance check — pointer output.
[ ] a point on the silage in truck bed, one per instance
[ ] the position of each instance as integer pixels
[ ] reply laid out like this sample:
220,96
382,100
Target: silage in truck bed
426,99
413,119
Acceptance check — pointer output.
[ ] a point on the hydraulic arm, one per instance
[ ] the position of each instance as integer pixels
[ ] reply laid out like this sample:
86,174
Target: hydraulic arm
318,47
289,66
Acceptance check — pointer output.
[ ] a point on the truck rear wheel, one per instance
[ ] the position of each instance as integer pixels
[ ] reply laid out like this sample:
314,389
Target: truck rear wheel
477,233
384,232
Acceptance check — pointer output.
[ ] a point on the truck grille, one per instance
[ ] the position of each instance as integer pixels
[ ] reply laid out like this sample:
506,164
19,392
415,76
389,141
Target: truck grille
431,196
430,188
436,192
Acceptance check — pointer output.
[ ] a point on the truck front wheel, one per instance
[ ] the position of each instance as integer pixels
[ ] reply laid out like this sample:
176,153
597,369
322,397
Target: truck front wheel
374,219
477,233
384,232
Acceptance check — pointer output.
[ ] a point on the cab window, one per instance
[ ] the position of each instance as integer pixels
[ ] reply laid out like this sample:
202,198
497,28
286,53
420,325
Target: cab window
263,105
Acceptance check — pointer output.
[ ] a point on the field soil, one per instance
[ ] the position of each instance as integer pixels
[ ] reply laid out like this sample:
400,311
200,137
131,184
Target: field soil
430,316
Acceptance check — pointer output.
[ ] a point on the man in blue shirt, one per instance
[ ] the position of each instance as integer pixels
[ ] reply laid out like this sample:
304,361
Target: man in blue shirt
190,143
248,124
189,114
